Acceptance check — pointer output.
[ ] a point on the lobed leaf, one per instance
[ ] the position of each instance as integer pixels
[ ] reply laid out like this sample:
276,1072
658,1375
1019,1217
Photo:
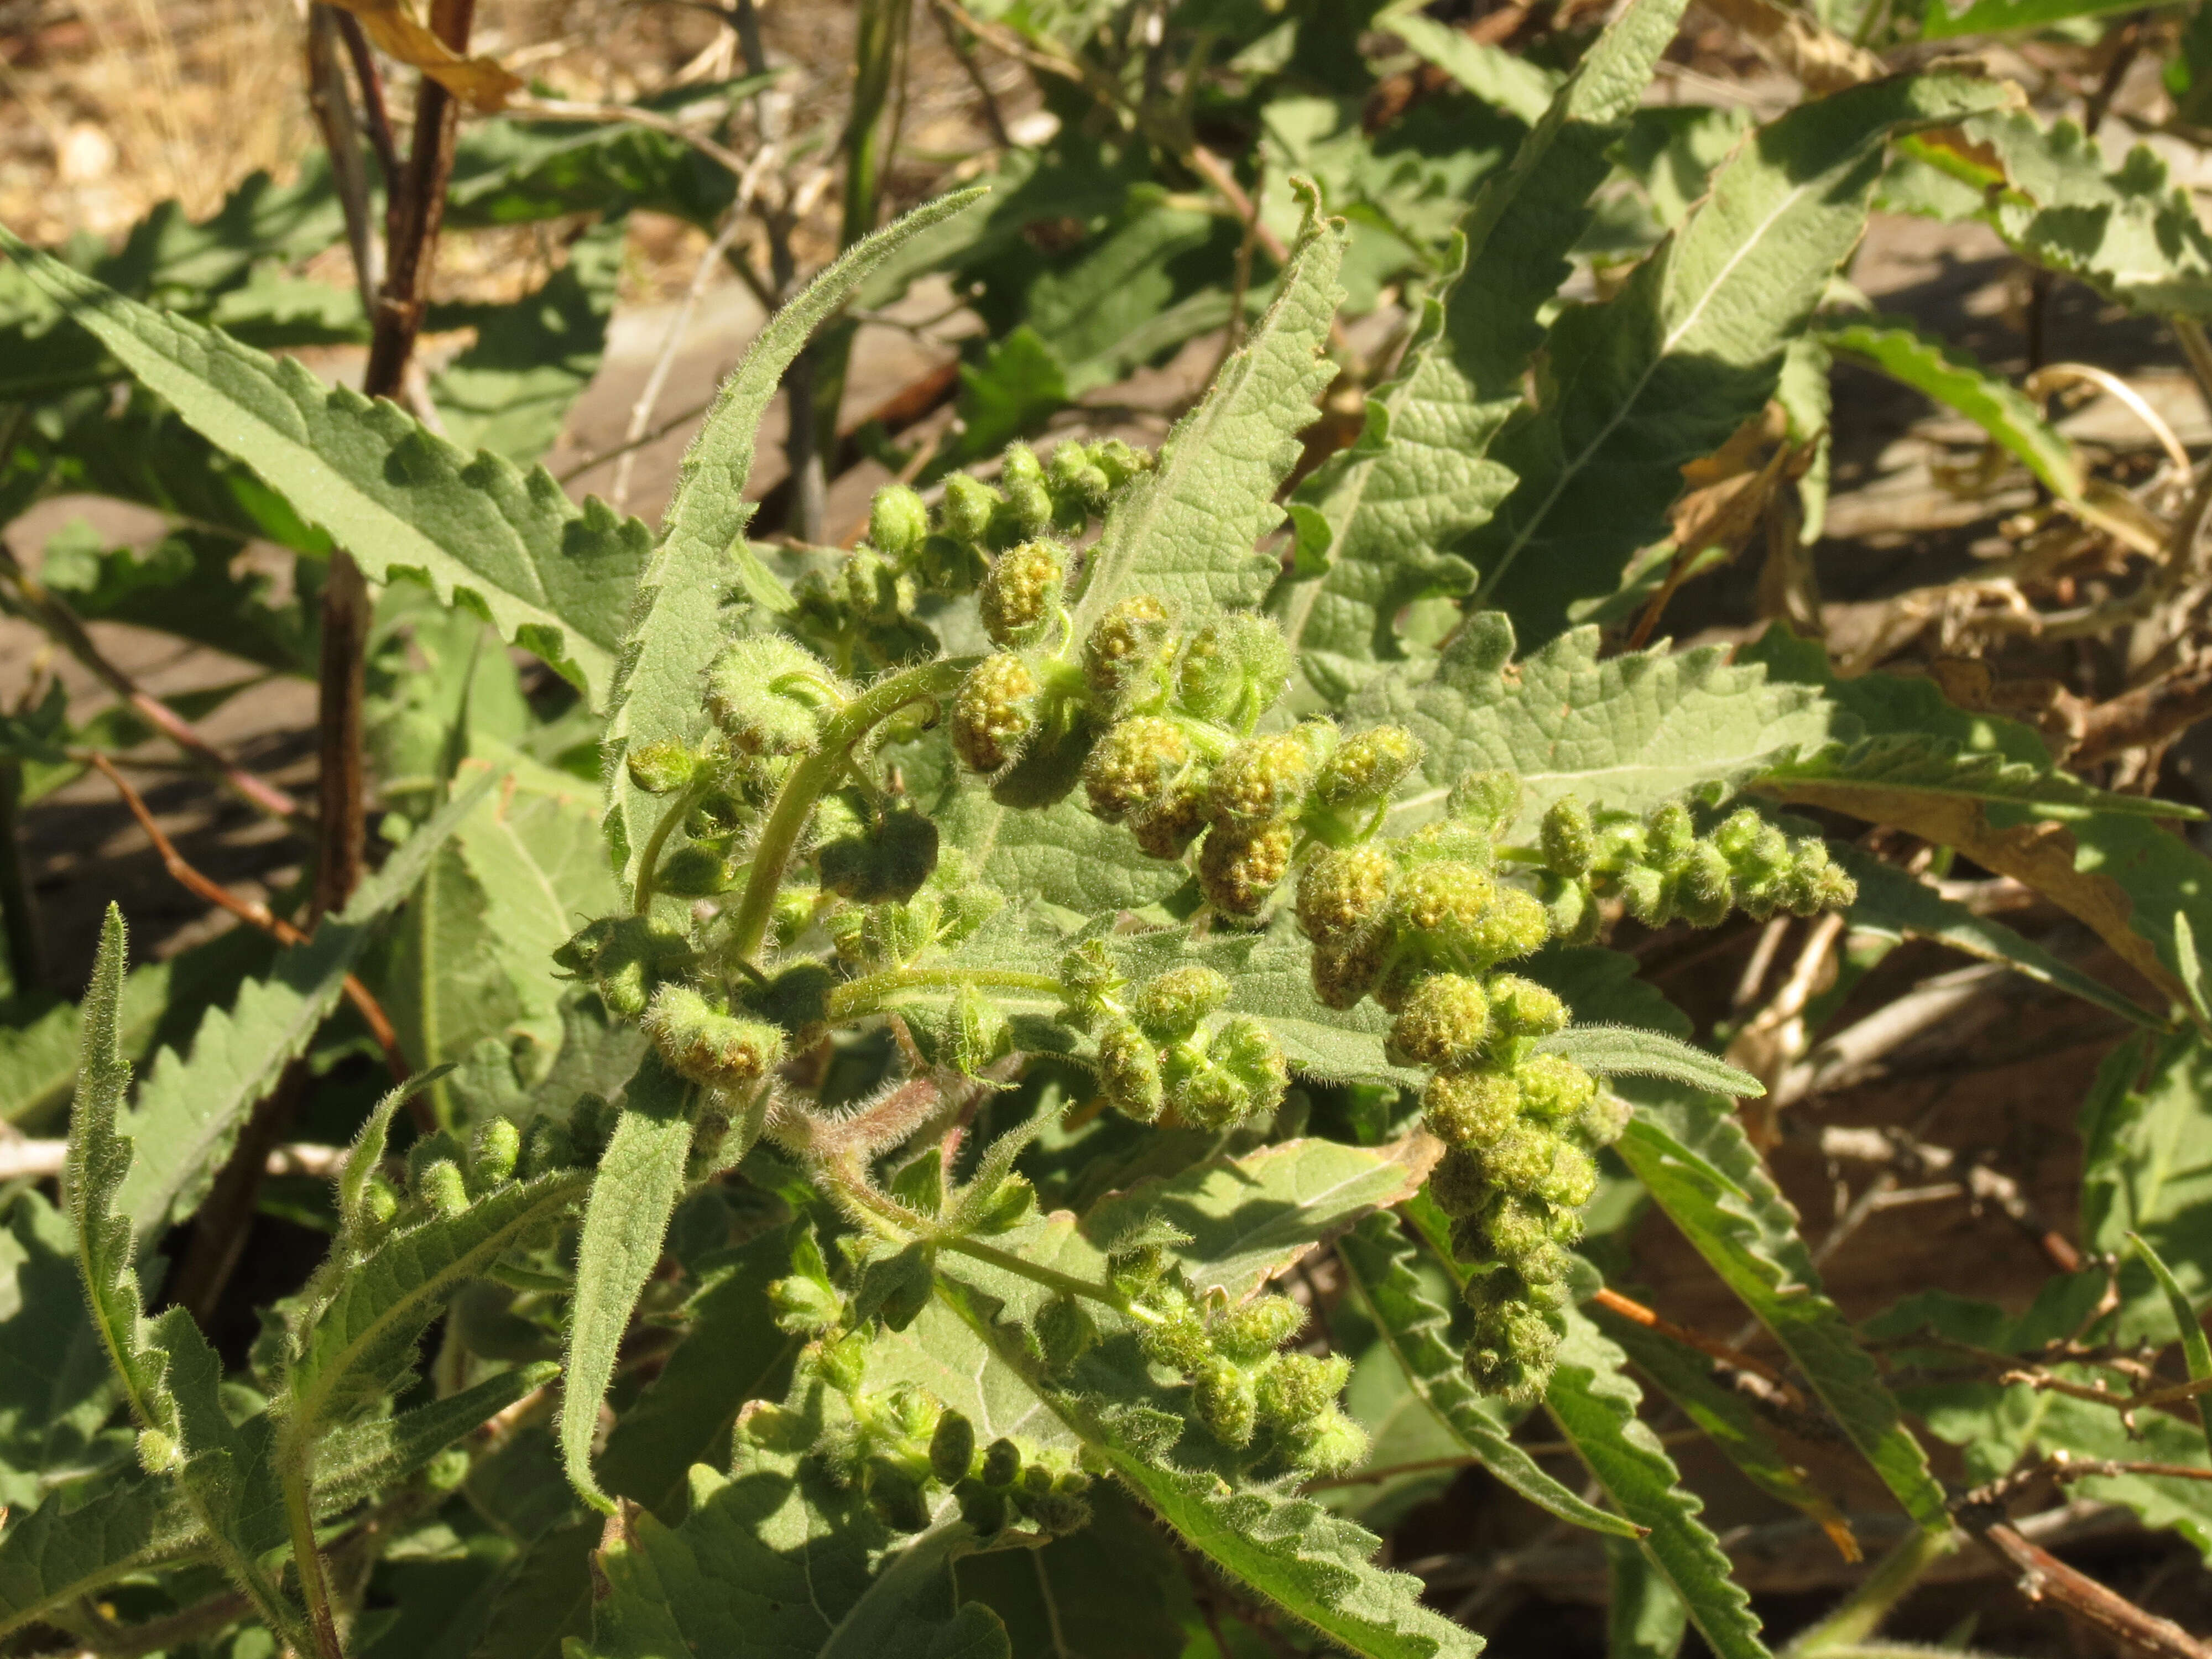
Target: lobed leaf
2144,1175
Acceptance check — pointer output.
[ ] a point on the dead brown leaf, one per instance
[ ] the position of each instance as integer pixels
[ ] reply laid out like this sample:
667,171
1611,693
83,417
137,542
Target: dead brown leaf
481,83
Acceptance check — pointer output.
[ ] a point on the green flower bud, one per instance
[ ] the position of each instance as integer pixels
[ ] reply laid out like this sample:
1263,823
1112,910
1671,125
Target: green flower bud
1056,1511
1519,1160
994,712
1521,1007
1233,670
1129,1073
1088,981
661,767
1246,1050
494,1151
1604,1120
1445,1023
1002,1463
1250,1332
803,1303
1236,871
886,865
1021,594
1704,886
1077,482
1525,1232
980,1032
1471,1110
1448,841
693,872
1516,924
771,695
1064,1332
1446,898
1295,1387
1554,1089
1488,800
1343,973
1179,1341
1514,1346
1262,780
1643,891
379,1203
1571,1181
1136,766
1341,895
1328,1444
1620,842
968,505
1121,461
442,1189
1668,835
1226,1402
1126,656
1171,1008
158,1453
898,523
1029,494
1166,829
843,1362
1568,837
1756,850
1458,1184
708,1046
952,1448
981,1507
1366,769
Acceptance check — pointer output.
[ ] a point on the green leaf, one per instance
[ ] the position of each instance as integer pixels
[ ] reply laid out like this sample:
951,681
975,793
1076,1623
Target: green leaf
54,1387
1186,531
1379,525
2195,1350
1665,372
1378,1260
2144,1176
1116,1590
633,1194
360,1343
1625,1051
1892,904
778,1559
1061,855
1490,73
1690,1151
511,391
1593,1402
1628,732
549,575
1644,1618
1943,21
191,1105
1954,378
676,624
1886,768
1254,1217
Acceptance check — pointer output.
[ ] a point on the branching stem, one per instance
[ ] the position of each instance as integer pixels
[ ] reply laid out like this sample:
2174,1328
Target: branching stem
868,994
817,772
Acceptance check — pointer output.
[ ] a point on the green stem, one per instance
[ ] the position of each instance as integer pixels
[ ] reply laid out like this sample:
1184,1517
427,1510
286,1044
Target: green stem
787,820
299,1512
648,866
1051,1277
1891,1581
867,994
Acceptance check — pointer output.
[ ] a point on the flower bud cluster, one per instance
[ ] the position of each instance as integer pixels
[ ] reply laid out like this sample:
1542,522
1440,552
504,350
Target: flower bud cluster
1662,869
1166,1046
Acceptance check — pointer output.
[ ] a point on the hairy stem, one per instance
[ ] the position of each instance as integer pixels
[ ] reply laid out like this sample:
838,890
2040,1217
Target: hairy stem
648,866
816,773
299,1514
1891,1581
868,994
1051,1277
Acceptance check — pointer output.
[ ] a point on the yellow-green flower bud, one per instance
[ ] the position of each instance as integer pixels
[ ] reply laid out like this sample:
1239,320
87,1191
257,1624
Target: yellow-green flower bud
980,1032
1135,767
494,1151
951,1448
771,695
1604,1120
1178,1342
1447,899
694,872
1366,768
707,1045
1129,1073
1064,1332
1233,670
443,1188
1448,840
661,767
1554,1089
1521,1007
994,712
1076,479
968,505
1568,837
1029,496
1250,1332
1458,1184
1236,871
1756,850
1246,1050
1121,461
1514,924
1470,1109
1488,800
1295,1387
1261,780
1341,895
1445,1023
1021,594
1572,1179
1166,829
1329,1444
1171,1008
1224,1398
1088,981
1126,656
1571,910
159,1453
1704,886
898,523
1344,973
1620,842
1644,891
803,1303
1668,834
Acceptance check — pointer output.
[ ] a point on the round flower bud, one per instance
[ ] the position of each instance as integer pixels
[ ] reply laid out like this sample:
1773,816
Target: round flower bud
494,1151
952,1448
1129,1073
1136,766
1757,851
1171,1008
1488,800
1554,1089
994,712
1620,842
1367,768
1078,483
1002,1463
968,505
981,1507
1329,1444
1458,1184
1226,1402
158,1452
1668,834
694,872
1261,781
1029,496
1514,924
1023,591
1644,891
1604,1120
1166,829
1236,871
1126,655
1246,1050
1446,840
1519,1160
803,1303
1248,1334
770,695
1526,1231
1447,899
1295,1387
1704,887
1571,910
1572,1179
1178,1342
1445,1022
1343,894
443,1188
708,1046
1568,837
1343,973
1064,1333
1121,461
1512,1352
661,767
380,1202
1521,1007
1470,1109
898,523
1233,670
